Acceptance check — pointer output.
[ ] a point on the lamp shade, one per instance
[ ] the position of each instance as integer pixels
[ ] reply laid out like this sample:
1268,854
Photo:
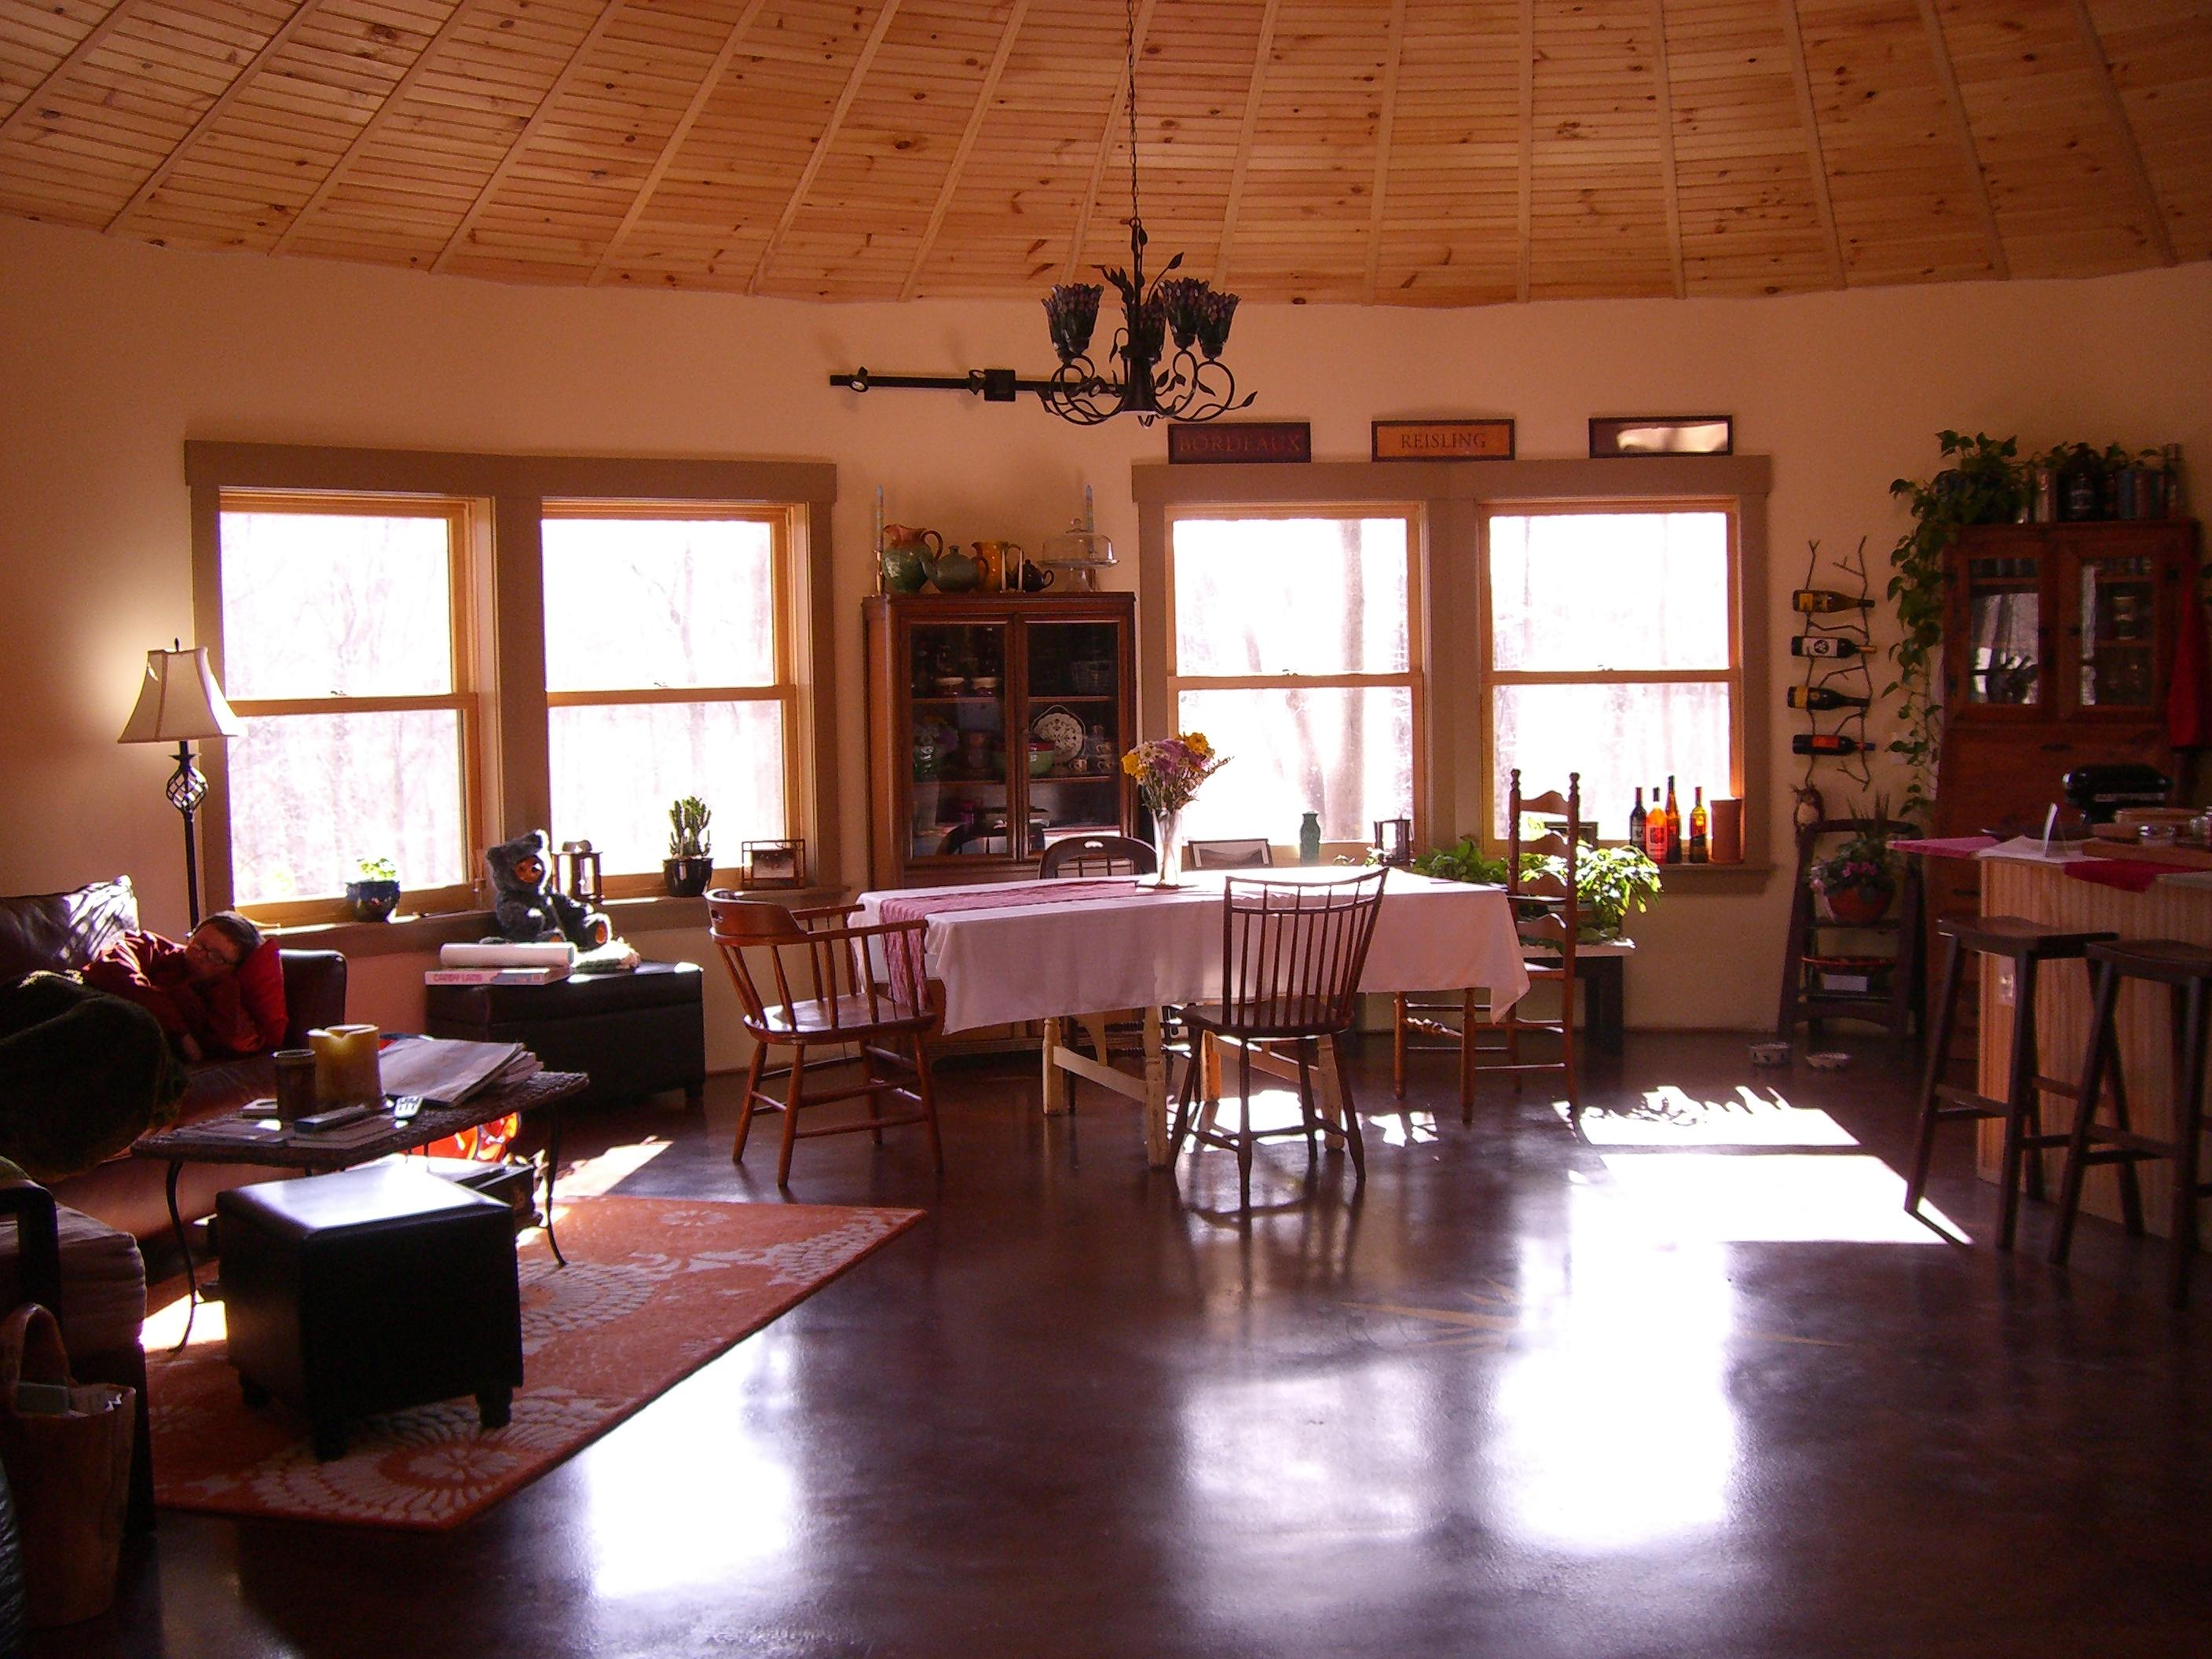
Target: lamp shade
179,699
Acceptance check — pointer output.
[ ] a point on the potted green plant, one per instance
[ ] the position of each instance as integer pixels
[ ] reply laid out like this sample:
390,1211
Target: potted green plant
1610,882
1857,881
375,896
688,866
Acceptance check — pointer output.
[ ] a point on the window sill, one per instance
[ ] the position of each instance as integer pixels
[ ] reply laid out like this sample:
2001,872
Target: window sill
423,935
1685,879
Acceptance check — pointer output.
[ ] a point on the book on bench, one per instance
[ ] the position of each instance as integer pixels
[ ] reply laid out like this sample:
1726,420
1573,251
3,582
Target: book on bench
493,975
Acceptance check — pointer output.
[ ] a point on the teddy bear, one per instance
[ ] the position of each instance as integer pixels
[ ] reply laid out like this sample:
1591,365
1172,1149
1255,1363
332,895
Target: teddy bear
526,905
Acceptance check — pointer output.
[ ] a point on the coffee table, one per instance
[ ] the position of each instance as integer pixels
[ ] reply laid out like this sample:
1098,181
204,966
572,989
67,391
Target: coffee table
216,1140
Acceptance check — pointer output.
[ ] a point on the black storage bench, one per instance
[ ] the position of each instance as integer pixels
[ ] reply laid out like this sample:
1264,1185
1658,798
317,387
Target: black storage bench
370,1291
632,1034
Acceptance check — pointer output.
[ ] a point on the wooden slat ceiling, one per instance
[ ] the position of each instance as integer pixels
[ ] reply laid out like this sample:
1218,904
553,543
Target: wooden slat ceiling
1408,152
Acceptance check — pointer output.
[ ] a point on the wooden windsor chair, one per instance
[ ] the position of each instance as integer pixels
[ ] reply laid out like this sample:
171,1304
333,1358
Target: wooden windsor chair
1291,954
1098,855
810,979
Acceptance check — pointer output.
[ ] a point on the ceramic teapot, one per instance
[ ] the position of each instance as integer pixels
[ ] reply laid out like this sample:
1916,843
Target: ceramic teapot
907,557
1034,578
955,572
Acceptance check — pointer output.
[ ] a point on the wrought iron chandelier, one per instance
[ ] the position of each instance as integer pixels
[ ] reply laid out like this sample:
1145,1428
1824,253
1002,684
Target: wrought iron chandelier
1192,384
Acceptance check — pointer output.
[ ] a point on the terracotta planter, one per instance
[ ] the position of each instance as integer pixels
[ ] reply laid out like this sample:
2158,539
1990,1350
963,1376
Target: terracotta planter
1855,906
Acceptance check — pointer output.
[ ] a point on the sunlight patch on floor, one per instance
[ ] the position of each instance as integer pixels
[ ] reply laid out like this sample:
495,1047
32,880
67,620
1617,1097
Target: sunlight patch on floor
1696,1197
602,1174
1671,1116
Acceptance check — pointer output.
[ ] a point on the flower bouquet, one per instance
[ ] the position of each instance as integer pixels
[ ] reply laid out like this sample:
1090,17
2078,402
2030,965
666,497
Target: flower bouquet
1168,771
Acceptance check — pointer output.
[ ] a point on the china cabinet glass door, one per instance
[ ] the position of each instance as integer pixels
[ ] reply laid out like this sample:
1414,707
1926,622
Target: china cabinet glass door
962,794
1075,740
2117,630
2004,622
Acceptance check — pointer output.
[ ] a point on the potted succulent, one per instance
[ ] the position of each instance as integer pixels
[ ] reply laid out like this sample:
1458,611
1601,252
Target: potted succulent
1858,880
375,896
688,867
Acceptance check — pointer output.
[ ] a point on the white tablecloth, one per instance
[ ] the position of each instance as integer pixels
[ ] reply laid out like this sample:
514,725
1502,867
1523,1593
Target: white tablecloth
1043,961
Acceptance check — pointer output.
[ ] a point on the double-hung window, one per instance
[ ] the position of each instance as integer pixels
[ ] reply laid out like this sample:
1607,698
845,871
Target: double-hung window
681,682
1295,648
346,627
1612,651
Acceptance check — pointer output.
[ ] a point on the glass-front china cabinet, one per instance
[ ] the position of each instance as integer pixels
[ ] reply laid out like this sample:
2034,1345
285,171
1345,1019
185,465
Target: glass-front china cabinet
996,726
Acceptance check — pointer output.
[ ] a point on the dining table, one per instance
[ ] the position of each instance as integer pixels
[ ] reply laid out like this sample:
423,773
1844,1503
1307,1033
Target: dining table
1073,950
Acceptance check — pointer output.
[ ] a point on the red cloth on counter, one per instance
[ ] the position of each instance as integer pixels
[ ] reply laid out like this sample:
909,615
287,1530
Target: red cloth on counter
2188,715
2126,874
238,1013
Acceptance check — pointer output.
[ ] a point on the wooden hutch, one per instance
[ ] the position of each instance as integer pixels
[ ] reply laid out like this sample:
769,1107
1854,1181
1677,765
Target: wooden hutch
996,724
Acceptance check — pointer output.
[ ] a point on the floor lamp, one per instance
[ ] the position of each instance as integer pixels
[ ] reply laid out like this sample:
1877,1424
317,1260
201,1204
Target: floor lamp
178,701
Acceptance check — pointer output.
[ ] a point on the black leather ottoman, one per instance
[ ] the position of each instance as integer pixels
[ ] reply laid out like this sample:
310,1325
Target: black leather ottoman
632,1034
369,1290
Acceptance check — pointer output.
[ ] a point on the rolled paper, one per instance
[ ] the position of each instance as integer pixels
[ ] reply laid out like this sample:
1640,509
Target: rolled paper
550,953
346,1072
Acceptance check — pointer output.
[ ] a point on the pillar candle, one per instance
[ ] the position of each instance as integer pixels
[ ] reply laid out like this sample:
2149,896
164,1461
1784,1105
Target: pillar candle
346,1071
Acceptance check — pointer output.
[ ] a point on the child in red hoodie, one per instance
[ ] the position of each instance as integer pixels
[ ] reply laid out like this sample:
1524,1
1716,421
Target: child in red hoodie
221,992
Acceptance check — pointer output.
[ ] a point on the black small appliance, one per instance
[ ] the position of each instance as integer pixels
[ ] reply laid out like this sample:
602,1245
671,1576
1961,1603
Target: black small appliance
2099,792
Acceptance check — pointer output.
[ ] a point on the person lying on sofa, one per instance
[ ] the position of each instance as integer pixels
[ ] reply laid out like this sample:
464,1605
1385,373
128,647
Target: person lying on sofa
220,993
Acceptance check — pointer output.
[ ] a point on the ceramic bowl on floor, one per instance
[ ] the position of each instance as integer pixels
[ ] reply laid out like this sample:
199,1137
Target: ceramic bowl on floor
1828,1060
1769,1054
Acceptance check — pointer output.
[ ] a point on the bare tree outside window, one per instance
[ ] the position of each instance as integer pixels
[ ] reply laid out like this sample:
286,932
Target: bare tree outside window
1293,642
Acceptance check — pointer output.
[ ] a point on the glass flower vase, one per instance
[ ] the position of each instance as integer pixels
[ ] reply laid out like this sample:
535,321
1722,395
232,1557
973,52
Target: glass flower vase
1167,843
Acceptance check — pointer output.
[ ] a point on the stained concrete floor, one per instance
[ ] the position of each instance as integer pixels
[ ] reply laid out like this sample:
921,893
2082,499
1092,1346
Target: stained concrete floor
1686,1381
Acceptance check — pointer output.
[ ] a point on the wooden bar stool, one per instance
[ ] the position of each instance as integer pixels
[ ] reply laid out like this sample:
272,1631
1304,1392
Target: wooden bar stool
2186,972
2026,944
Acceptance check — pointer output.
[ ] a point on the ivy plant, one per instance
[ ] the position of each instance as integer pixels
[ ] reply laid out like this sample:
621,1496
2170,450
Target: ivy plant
1984,484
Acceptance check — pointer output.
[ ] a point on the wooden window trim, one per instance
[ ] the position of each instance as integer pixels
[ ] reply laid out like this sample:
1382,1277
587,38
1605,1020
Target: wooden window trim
1731,676
503,652
1451,495
1412,678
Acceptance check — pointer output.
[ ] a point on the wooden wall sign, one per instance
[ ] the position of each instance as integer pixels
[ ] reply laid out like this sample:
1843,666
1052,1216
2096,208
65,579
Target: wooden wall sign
1442,440
1242,440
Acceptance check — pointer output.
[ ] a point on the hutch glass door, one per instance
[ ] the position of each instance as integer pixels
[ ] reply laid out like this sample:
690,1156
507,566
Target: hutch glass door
2118,628
961,800
2004,622
1075,740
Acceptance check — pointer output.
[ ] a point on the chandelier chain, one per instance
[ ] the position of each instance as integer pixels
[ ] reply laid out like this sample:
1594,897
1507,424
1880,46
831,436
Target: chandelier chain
1129,36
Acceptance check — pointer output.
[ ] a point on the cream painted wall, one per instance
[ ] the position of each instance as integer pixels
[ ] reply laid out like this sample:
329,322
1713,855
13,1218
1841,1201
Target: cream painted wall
114,354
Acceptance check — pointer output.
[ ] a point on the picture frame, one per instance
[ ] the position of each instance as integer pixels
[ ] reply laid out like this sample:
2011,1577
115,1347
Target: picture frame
773,864
1612,436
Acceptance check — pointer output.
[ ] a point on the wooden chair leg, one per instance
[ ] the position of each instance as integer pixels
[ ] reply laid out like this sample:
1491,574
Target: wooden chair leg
925,1091
753,1070
1567,1044
791,1101
1351,1138
1309,1115
1467,1054
1398,1044
1947,1002
1244,1123
2093,1075
1186,1106
2018,1093
2189,1122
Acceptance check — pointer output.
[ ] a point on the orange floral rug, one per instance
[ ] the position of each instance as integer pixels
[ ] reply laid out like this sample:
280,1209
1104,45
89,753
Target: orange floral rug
654,1289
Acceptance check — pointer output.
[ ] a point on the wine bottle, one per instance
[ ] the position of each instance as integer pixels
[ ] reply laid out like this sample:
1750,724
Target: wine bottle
1654,829
1824,601
1700,823
1820,696
1823,743
1824,645
1674,825
1635,819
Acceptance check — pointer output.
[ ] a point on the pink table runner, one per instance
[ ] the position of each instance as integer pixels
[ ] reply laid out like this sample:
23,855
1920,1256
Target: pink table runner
920,907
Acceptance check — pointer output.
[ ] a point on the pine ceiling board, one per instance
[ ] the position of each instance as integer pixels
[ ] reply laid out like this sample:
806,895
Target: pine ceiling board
1451,226
571,186
297,116
457,121
1905,198
1028,178
2042,131
35,37
862,223
1597,214
2161,65
1743,180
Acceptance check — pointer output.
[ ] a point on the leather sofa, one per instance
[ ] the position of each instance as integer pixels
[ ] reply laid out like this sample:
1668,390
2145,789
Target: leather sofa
62,931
